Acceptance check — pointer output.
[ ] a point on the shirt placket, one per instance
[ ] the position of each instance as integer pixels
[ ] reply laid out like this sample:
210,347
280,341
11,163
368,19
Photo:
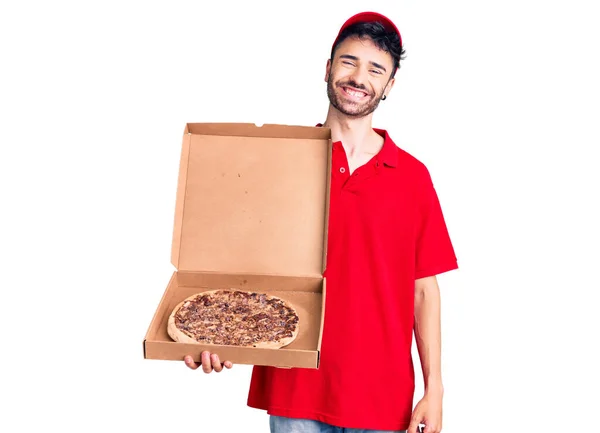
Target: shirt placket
351,182
340,167
339,176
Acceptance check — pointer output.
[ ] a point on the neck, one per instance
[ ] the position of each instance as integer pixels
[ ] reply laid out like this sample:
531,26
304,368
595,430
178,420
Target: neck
356,134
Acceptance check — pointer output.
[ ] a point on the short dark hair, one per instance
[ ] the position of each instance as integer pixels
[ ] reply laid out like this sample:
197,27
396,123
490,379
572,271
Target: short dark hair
385,40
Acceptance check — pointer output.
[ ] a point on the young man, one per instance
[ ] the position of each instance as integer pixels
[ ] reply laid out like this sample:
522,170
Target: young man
387,242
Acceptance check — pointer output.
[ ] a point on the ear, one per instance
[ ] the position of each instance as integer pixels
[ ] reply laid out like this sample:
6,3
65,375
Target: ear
327,70
388,87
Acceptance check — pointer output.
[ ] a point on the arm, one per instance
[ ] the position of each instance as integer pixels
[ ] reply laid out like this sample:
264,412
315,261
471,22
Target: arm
428,333
427,329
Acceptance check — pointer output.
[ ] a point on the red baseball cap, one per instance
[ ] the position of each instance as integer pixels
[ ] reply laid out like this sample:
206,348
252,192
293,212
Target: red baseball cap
369,17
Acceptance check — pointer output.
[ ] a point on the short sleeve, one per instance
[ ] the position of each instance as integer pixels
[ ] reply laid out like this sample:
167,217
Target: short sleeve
434,250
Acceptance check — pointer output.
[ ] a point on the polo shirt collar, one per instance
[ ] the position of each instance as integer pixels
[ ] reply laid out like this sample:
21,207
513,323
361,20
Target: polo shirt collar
388,154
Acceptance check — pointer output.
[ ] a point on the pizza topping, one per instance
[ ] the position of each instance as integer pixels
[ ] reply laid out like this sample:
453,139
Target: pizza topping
231,317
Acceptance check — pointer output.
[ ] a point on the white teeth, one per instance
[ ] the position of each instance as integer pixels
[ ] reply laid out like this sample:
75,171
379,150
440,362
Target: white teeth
354,93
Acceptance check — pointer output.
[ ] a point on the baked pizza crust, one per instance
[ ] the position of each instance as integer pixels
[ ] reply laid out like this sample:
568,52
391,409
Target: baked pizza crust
178,335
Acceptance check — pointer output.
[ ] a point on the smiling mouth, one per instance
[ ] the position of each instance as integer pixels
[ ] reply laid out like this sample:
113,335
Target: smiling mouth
354,93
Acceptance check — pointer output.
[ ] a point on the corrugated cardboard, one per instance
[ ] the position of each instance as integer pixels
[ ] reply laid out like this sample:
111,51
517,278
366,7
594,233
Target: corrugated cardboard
251,213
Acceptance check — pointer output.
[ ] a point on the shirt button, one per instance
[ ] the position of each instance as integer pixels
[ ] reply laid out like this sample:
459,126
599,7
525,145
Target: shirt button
342,170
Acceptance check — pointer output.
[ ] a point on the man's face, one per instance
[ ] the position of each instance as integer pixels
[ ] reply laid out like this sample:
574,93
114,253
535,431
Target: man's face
358,77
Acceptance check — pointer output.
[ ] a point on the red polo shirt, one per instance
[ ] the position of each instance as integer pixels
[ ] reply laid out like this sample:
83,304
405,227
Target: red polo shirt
386,229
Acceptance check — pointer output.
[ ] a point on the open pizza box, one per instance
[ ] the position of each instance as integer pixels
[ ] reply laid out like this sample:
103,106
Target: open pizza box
251,213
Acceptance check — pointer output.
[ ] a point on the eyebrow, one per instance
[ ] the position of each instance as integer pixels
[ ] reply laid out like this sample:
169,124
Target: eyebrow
348,56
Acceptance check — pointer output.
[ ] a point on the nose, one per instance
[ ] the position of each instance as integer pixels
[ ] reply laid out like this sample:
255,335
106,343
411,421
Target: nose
359,75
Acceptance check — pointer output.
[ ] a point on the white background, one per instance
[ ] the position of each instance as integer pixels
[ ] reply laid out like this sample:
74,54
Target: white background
499,99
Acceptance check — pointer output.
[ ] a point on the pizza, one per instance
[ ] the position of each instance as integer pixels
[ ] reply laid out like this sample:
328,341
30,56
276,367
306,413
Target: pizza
234,317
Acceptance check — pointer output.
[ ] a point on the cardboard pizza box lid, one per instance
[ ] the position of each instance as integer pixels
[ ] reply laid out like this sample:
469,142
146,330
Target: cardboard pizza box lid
252,199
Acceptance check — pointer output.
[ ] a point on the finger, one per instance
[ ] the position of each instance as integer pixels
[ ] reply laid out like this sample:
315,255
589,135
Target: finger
228,364
216,362
206,366
414,426
189,362
432,428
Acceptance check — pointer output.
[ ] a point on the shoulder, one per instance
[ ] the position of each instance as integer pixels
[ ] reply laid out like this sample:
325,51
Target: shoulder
410,161
409,164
